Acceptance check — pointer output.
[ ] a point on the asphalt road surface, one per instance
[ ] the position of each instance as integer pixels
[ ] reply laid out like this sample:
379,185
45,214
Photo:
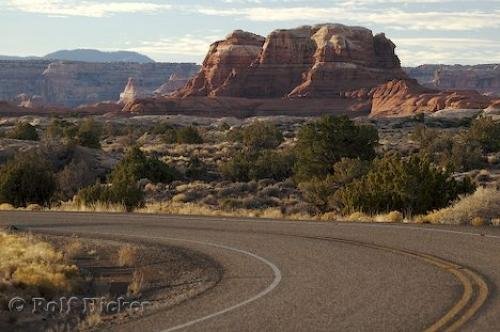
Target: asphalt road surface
305,276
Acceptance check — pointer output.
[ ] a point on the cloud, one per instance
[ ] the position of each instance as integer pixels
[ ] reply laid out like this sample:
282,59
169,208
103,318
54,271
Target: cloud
396,18
414,51
188,45
83,8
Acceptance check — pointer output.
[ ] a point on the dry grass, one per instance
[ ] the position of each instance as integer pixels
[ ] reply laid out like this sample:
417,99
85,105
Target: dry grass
484,203
98,207
73,249
90,322
135,286
204,210
127,255
359,217
34,266
394,216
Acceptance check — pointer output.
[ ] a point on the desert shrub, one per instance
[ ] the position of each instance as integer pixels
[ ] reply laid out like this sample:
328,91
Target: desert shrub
449,150
464,156
277,165
169,136
318,191
261,135
486,131
75,176
413,185
24,131
347,170
58,129
89,134
161,128
122,191
224,126
135,166
237,168
235,135
27,178
246,166
196,169
188,135
322,143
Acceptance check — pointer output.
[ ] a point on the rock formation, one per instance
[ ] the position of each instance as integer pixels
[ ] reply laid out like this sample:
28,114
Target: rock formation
310,61
134,90
405,97
483,78
72,84
174,83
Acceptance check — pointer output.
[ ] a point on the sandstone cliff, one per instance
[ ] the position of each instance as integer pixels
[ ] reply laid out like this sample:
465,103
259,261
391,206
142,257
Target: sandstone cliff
72,84
483,78
309,61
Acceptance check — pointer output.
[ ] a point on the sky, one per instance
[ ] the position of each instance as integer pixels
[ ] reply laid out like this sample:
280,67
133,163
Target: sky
425,31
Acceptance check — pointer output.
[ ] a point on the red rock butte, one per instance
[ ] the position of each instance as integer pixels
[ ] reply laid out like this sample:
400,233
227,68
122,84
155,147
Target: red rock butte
310,61
336,68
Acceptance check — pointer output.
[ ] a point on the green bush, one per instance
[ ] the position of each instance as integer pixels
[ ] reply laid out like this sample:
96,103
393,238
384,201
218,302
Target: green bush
486,131
277,165
347,170
188,135
135,166
261,135
27,179
318,191
413,185
455,151
237,168
269,164
24,131
123,192
89,134
161,128
324,142
196,169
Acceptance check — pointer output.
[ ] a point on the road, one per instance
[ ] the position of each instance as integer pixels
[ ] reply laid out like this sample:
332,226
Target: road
308,276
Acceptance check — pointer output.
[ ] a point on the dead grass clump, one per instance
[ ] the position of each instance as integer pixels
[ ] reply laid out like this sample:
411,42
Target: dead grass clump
90,322
359,217
73,248
394,216
135,286
6,207
484,203
127,255
34,266
478,222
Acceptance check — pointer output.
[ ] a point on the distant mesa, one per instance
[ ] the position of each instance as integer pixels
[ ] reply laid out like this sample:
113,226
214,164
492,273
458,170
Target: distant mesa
89,55
483,78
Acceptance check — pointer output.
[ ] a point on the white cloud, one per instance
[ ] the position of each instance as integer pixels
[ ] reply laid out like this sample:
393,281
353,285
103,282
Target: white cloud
415,51
394,17
188,44
83,8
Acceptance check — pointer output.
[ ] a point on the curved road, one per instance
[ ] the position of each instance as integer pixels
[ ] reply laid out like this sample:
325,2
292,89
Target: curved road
305,276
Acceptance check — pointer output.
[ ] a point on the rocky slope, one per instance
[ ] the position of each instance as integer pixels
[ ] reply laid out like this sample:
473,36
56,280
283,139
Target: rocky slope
71,84
483,78
310,61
